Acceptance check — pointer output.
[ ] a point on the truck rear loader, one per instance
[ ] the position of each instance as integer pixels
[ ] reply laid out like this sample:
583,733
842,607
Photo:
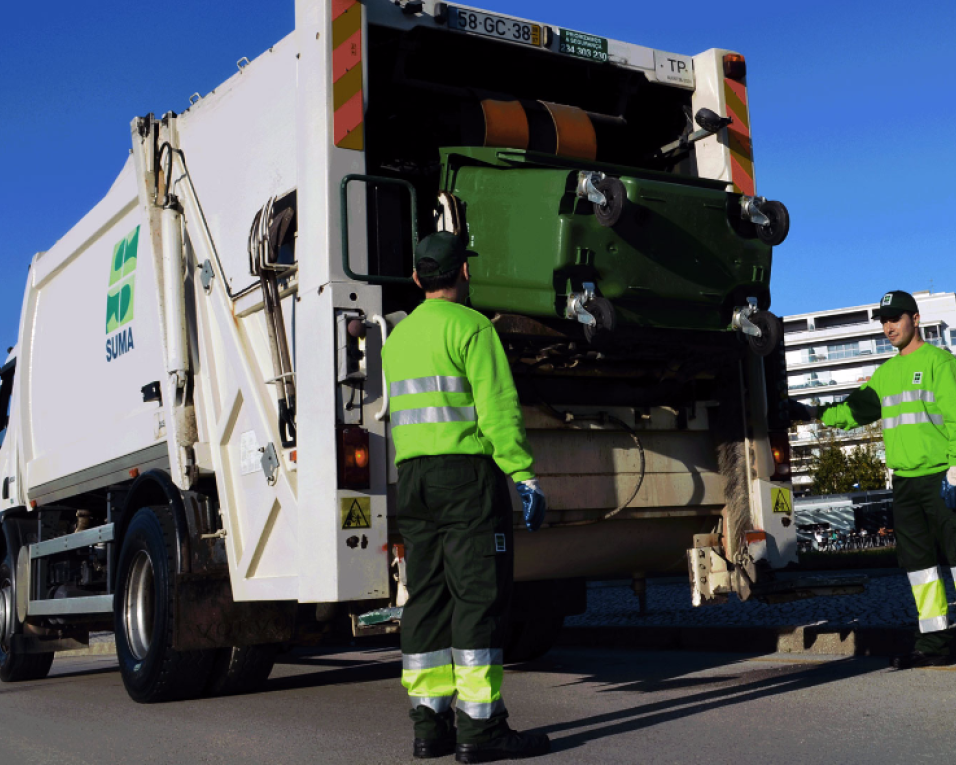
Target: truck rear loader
204,467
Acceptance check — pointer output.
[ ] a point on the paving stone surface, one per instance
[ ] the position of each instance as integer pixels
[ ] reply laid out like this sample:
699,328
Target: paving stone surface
887,602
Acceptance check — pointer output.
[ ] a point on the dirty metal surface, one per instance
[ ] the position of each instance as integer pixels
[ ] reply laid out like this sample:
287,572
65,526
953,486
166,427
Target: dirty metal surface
208,617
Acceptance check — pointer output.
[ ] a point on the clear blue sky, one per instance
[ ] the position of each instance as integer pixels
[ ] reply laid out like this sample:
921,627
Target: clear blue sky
852,107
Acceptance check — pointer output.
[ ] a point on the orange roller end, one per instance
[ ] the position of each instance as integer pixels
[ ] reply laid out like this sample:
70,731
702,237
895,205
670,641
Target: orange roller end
506,124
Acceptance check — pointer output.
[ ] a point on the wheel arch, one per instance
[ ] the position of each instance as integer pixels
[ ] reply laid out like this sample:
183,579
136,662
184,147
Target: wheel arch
14,531
155,488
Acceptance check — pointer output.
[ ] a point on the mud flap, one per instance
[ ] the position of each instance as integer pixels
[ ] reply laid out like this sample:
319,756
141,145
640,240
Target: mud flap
207,616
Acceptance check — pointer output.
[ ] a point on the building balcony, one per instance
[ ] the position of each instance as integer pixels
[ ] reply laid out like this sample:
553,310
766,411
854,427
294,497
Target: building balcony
820,360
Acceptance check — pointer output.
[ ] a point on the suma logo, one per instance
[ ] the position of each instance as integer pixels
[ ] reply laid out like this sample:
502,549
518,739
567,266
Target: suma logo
120,294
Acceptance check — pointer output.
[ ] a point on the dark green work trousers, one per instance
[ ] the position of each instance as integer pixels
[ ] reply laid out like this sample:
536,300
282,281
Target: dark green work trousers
926,535
455,515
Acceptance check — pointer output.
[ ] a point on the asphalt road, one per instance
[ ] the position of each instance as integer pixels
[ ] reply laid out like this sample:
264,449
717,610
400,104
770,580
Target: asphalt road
346,706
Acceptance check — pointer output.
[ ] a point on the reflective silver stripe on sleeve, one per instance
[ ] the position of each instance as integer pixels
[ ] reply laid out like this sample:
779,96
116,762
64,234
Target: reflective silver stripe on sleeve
481,711
934,624
437,704
926,576
953,571
430,660
480,657
434,384
912,418
433,414
909,396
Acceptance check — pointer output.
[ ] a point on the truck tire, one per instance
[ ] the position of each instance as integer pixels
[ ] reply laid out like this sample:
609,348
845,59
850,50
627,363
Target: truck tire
16,667
144,613
530,639
242,669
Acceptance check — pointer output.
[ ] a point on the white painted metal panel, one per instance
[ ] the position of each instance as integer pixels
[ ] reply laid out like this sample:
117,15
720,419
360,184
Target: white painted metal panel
713,154
92,344
239,145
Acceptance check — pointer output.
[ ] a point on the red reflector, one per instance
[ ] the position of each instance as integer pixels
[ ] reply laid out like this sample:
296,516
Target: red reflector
353,458
134,472
33,503
735,66
294,455
755,536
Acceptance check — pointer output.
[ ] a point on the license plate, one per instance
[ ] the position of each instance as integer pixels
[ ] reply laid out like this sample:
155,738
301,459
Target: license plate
489,25
583,46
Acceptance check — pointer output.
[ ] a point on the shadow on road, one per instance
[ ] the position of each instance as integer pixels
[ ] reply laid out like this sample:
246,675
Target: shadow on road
725,690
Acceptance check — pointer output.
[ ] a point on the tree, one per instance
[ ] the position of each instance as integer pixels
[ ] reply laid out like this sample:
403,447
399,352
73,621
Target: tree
829,468
864,464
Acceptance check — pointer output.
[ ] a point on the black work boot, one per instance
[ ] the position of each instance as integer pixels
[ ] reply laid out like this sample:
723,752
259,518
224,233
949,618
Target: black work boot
511,745
918,659
426,749
435,733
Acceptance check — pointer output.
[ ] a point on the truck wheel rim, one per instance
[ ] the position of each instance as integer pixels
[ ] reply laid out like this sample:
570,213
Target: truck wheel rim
139,605
6,613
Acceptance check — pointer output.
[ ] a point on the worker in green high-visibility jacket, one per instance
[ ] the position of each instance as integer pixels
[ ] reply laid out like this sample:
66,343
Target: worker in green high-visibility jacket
458,433
914,393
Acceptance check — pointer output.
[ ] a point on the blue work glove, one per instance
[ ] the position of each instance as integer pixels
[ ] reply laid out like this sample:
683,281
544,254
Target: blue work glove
532,502
947,492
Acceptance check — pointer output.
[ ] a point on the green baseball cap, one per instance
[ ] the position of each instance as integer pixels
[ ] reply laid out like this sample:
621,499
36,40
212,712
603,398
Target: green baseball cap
896,303
445,249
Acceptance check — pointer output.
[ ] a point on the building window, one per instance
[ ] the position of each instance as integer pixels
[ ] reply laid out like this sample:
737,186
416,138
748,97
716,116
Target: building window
842,319
931,336
883,345
843,350
797,325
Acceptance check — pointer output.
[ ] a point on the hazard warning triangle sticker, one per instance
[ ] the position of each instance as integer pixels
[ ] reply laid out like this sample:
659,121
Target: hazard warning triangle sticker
356,513
781,501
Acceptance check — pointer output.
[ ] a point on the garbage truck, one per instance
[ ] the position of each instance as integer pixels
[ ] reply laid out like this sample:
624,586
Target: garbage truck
205,466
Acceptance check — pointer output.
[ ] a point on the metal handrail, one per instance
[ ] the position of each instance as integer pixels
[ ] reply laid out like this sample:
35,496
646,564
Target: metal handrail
382,181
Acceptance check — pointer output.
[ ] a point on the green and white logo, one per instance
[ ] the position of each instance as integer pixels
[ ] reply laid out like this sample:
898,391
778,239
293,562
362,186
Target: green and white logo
888,298
120,294
119,297
917,378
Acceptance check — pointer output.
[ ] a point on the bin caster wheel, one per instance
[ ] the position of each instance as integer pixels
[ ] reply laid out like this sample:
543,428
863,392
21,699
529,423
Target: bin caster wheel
771,332
605,316
616,195
774,232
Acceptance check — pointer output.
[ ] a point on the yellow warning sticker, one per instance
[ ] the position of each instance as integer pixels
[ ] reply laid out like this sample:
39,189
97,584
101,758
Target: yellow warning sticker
356,512
782,500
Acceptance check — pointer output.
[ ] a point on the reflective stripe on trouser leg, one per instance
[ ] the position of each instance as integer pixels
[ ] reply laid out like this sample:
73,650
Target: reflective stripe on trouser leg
930,596
478,677
429,679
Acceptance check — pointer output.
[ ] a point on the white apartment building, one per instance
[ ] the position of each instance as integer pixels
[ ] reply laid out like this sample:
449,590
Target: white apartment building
831,353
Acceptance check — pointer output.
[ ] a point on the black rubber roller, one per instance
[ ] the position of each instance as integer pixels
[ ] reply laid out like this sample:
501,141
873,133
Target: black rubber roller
616,195
771,331
774,232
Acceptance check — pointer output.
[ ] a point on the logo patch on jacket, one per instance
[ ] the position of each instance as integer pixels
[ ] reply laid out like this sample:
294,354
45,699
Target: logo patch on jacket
500,543
917,378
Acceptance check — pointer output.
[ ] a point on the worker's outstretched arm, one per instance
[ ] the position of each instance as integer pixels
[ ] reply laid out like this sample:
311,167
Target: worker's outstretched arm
496,404
861,407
